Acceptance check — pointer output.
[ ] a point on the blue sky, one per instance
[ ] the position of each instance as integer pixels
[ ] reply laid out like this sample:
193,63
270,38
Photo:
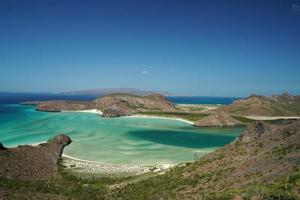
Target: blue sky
211,47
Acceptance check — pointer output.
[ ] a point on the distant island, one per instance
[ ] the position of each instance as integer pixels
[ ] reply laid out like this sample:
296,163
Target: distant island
106,91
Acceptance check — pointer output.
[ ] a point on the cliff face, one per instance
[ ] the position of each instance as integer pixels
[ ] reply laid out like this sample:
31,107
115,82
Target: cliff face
264,156
276,105
27,162
217,120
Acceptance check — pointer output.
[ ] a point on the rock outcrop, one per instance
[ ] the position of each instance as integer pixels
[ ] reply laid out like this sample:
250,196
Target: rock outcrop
276,105
27,162
217,120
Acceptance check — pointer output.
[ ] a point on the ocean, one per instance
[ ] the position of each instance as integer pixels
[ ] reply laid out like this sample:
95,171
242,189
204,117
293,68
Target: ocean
8,98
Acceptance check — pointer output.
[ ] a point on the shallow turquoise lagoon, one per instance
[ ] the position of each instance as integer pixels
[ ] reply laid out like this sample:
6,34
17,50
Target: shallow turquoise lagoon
117,140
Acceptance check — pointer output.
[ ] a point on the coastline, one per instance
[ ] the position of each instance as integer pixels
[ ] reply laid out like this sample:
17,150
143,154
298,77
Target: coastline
96,111
158,117
88,167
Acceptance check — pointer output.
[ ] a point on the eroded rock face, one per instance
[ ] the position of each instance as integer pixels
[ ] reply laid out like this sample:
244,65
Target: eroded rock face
217,120
27,162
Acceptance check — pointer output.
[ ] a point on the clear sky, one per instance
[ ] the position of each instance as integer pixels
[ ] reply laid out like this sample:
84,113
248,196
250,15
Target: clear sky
211,47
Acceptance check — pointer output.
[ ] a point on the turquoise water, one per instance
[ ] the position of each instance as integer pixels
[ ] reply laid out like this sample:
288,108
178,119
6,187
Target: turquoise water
117,140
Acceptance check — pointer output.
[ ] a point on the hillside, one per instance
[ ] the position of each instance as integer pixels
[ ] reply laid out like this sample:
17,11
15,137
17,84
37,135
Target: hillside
130,103
276,105
220,119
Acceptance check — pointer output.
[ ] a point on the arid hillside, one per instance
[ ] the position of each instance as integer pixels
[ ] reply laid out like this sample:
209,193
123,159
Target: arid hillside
276,105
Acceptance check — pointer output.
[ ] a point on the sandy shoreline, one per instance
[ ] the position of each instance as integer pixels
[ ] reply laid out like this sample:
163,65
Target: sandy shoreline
109,169
158,117
88,167
96,111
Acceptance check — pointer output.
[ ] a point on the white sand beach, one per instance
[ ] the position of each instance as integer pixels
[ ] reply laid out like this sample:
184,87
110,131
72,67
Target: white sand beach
96,111
157,117
109,169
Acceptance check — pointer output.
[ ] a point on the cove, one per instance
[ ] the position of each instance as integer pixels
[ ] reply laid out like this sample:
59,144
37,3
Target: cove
125,140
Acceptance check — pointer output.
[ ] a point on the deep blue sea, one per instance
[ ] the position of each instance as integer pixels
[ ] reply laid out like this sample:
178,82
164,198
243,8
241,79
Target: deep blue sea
14,98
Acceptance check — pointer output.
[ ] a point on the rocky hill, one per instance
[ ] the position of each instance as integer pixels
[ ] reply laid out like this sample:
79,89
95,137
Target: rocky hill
113,105
276,105
126,104
217,120
27,162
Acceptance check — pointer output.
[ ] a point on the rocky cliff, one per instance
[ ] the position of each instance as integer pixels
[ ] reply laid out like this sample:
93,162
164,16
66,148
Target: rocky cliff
27,162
